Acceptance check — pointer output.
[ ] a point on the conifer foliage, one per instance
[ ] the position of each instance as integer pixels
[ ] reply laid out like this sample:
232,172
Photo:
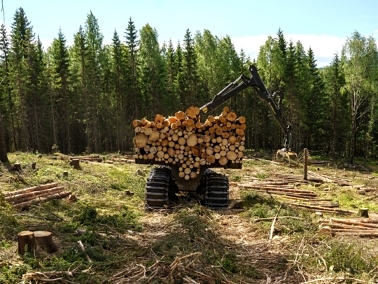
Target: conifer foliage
84,97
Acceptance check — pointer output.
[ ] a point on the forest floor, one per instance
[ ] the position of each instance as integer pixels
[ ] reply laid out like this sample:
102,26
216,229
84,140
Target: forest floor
279,228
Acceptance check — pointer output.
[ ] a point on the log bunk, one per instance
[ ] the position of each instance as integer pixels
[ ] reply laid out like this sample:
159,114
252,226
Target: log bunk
189,147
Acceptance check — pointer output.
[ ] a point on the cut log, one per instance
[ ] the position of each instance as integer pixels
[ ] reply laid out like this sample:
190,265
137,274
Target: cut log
241,120
159,118
172,119
24,205
18,198
239,131
196,151
180,115
210,159
192,140
232,139
140,140
181,141
137,123
223,161
231,156
30,189
192,112
153,136
231,116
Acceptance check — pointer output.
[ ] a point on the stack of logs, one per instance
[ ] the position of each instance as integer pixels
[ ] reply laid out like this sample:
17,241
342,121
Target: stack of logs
183,140
23,198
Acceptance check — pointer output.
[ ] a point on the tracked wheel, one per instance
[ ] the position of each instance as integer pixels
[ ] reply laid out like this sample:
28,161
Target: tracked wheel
216,189
157,187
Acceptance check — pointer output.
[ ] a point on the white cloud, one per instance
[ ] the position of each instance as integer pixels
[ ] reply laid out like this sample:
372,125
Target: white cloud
324,46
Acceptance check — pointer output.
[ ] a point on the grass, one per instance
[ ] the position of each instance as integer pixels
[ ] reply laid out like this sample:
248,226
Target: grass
125,242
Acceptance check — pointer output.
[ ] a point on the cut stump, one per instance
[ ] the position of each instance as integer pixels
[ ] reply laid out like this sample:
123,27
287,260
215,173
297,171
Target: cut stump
76,164
44,240
26,238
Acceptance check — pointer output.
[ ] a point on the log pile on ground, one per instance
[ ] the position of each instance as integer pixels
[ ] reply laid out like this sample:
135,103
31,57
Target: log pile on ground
293,196
363,227
23,198
183,140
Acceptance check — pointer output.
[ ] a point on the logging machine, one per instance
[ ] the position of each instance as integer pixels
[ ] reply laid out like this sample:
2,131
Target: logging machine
164,181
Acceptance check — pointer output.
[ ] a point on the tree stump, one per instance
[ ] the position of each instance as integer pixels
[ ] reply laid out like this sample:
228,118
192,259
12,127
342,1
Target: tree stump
26,238
33,165
65,174
17,167
364,212
76,164
44,240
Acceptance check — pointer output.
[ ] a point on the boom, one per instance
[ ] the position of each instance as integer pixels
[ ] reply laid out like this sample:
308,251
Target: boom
242,83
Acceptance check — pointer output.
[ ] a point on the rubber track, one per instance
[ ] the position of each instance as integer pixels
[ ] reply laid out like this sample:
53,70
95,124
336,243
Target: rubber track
157,187
216,188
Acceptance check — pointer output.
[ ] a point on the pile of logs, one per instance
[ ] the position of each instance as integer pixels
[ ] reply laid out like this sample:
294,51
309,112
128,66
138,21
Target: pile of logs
183,140
363,227
23,198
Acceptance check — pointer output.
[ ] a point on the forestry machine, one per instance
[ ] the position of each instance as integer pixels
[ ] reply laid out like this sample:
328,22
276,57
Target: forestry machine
209,186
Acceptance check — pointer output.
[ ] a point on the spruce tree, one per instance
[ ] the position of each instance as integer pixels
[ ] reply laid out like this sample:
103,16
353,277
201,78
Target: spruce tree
338,107
61,101
152,72
315,102
19,75
121,76
6,102
132,43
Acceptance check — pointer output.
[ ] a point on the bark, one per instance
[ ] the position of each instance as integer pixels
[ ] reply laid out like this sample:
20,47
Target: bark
3,150
44,240
26,238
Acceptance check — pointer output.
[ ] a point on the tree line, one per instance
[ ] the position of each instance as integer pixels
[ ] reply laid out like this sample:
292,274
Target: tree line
84,97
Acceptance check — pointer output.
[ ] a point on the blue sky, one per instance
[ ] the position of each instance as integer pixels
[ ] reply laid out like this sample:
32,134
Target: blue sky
322,25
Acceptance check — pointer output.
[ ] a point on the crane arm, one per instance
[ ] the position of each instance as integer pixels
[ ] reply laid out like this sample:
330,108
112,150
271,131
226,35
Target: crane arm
254,81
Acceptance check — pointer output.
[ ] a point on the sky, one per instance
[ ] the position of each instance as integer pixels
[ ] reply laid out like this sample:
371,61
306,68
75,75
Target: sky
322,25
